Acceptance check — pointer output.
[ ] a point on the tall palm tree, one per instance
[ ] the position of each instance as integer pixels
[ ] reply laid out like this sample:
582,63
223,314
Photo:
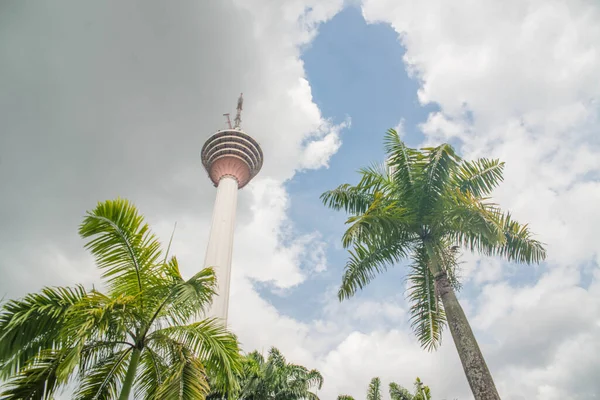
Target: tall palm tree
138,335
275,379
425,205
396,391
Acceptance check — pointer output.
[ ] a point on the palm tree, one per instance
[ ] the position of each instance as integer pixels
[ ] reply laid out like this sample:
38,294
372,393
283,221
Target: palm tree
424,206
274,379
396,391
422,392
138,335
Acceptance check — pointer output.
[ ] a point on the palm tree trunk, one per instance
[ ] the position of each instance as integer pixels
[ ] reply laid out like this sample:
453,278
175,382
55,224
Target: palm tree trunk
129,377
479,376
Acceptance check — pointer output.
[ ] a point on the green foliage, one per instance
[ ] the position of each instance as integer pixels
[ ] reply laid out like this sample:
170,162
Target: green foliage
95,340
374,392
425,205
274,379
396,391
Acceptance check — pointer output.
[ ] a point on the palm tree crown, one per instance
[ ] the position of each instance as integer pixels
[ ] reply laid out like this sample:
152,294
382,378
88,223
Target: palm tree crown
424,205
138,335
276,379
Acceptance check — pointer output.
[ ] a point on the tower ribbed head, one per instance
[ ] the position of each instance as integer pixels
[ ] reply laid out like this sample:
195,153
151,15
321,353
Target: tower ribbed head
232,152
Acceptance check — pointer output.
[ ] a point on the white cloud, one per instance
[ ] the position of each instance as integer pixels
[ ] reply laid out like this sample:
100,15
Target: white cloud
400,128
324,144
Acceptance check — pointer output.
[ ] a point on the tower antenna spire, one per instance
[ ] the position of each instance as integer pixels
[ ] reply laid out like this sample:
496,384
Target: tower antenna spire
238,115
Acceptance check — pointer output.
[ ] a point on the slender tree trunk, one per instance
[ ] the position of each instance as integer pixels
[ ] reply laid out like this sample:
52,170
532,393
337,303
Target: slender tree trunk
130,376
479,376
477,372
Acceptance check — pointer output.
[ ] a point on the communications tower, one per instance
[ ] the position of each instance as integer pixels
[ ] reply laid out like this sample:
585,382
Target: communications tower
231,158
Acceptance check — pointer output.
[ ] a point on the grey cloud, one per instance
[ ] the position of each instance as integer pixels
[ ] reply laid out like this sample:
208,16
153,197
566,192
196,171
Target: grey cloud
106,99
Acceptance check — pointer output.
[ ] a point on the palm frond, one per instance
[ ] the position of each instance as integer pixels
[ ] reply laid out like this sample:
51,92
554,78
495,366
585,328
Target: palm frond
153,371
123,245
214,346
401,160
374,392
367,261
94,353
345,397
349,198
33,324
374,178
427,312
188,299
480,177
398,392
382,218
104,379
435,167
37,380
518,246
101,316
184,379
468,218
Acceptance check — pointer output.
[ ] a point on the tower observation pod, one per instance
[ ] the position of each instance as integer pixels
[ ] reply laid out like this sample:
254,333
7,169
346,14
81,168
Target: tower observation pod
232,158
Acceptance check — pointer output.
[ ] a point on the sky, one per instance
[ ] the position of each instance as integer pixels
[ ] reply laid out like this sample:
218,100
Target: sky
107,99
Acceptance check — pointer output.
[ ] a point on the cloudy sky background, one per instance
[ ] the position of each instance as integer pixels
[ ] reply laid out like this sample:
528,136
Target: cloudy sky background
106,99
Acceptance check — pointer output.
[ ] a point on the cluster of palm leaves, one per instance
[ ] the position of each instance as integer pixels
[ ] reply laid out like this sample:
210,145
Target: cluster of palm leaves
274,378
396,391
425,205
137,337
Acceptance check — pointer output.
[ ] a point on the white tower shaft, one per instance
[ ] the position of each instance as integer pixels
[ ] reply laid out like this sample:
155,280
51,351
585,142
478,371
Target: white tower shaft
220,243
231,158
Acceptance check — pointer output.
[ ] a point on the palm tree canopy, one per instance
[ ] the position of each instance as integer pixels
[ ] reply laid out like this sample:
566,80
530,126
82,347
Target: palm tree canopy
276,379
141,327
396,391
425,204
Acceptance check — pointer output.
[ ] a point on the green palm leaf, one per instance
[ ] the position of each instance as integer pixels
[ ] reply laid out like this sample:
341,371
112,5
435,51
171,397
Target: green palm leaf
398,392
519,245
437,165
187,299
348,198
367,261
33,324
401,161
37,380
183,380
105,378
123,246
374,392
427,312
479,177
213,344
